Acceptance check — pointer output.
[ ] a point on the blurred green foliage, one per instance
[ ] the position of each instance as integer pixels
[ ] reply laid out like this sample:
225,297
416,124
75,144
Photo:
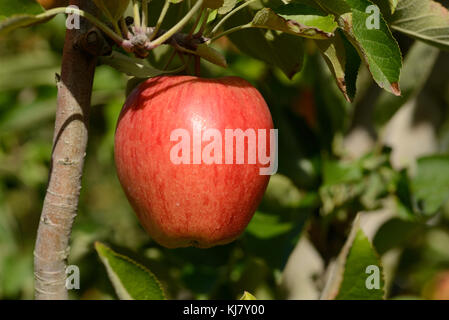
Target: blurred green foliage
318,191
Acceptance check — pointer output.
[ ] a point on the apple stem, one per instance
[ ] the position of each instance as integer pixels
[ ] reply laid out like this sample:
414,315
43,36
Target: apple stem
69,147
100,25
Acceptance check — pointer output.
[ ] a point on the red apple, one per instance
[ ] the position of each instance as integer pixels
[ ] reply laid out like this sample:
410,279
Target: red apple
196,202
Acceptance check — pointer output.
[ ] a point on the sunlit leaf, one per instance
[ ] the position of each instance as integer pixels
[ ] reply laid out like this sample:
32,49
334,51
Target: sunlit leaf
298,20
131,280
375,43
349,277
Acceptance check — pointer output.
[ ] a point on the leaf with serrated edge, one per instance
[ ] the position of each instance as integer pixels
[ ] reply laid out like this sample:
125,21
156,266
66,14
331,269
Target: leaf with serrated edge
295,25
377,47
424,20
360,256
131,280
342,282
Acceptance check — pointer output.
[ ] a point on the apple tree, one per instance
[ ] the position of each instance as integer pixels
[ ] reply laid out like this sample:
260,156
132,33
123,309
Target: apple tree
319,190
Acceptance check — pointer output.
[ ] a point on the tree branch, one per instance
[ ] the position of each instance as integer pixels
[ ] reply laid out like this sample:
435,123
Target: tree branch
69,147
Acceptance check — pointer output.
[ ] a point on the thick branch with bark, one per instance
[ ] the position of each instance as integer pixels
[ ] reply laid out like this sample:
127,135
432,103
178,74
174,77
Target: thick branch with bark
69,149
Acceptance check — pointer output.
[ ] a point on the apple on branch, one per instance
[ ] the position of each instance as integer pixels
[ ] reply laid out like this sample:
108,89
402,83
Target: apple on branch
189,180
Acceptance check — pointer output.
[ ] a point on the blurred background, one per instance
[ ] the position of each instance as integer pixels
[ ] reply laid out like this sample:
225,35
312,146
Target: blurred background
334,163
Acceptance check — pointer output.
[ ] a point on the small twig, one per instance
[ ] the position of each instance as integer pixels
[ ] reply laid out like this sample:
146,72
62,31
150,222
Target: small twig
229,31
145,13
226,17
136,13
100,25
177,26
124,28
161,19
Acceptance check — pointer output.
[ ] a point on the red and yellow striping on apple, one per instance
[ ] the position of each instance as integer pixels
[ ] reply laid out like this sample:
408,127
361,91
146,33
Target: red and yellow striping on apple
198,203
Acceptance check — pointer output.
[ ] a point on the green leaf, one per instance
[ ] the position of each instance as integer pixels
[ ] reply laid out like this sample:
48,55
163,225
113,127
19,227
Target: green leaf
393,5
19,21
281,192
418,66
282,50
377,47
395,233
210,54
227,6
387,6
296,19
131,280
337,172
112,9
132,66
212,16
247,296
430,185
10,8
351,273
361,255
265,225
12,18
425,20
343,61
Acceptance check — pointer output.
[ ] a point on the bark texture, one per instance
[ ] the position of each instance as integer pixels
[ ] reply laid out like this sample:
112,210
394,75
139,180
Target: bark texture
69,149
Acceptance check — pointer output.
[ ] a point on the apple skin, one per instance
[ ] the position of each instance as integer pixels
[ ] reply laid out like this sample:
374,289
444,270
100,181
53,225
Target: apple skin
50,4
182,205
